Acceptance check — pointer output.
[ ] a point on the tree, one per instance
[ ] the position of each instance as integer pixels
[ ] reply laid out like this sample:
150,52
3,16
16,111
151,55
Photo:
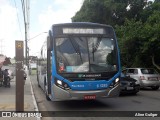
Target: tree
112,12
151,44
139,40
130,42
91,11
7,61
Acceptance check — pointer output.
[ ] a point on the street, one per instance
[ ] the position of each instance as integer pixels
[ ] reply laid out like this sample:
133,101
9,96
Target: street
81,52
145,100
8,101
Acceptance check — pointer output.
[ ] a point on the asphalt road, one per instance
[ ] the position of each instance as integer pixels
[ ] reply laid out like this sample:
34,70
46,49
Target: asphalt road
145,100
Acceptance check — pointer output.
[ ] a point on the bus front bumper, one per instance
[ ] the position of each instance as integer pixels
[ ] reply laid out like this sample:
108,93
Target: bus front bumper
60,94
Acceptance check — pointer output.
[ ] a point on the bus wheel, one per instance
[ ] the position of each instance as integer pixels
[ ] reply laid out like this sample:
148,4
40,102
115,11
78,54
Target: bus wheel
46,93
38,81
38,84
8,82
47,98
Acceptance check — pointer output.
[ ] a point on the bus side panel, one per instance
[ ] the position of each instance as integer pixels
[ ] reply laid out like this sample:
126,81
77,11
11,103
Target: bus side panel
53,72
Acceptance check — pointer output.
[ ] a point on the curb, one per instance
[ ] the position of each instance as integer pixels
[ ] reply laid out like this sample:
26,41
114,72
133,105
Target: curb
33,97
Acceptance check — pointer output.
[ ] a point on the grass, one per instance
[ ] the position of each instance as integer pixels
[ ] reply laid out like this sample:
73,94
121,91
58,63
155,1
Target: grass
33,72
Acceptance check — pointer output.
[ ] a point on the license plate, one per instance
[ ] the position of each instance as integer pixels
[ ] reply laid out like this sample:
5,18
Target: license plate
90,97
129,88
152,78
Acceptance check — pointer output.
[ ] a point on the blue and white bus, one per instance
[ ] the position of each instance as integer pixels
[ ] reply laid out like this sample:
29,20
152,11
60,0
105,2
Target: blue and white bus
79,61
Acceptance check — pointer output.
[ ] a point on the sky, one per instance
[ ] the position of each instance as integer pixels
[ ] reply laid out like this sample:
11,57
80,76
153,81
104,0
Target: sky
43,13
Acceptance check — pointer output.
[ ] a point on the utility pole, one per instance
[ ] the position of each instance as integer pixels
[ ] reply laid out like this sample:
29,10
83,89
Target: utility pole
20,59
26,57
19,76
28,18
26,9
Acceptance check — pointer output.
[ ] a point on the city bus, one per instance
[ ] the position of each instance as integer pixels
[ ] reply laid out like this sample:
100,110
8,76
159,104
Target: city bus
79,61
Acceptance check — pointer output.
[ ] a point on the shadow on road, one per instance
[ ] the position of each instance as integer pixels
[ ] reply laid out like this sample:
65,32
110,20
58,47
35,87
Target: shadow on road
81,104
148,89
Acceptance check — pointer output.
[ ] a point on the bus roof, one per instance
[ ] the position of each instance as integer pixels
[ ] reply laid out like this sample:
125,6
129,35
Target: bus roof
80,24
82,28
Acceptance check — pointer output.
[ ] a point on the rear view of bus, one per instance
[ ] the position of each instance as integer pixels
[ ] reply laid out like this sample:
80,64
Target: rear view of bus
82,62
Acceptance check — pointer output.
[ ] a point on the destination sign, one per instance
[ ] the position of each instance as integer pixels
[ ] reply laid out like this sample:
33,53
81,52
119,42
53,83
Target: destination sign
83,31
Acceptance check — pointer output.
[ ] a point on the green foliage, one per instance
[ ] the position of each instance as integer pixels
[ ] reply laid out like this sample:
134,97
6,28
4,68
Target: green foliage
151,29
7,61
33,72
91,11
113,12
130,42
142,40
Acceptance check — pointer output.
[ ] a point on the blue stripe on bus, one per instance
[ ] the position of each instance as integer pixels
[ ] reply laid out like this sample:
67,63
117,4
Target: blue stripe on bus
88,85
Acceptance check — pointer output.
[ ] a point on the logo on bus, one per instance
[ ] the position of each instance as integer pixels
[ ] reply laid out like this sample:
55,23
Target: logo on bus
80,86
88,75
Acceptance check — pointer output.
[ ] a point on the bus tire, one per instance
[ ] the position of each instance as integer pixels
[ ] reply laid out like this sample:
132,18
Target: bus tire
38,84
38,81
47,98
8,82
46,93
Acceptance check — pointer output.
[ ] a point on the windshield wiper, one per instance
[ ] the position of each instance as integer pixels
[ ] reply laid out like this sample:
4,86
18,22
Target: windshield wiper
95,47
76,48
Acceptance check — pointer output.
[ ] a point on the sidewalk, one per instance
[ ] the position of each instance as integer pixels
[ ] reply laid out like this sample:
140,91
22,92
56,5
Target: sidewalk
8,98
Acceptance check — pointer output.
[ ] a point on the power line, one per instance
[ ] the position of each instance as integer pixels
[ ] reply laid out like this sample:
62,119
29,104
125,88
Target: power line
18,18
23,11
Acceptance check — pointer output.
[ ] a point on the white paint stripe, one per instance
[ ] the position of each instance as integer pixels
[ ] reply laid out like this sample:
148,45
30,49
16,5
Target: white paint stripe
33,97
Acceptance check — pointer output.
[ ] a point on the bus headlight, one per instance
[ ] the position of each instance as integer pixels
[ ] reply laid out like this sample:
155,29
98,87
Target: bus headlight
62,84
114,83
59,82
117,80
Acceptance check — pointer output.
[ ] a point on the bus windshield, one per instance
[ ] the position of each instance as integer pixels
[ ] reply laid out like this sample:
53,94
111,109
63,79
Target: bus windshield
85,54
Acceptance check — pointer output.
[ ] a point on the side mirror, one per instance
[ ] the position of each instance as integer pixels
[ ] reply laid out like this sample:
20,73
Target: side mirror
49,42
